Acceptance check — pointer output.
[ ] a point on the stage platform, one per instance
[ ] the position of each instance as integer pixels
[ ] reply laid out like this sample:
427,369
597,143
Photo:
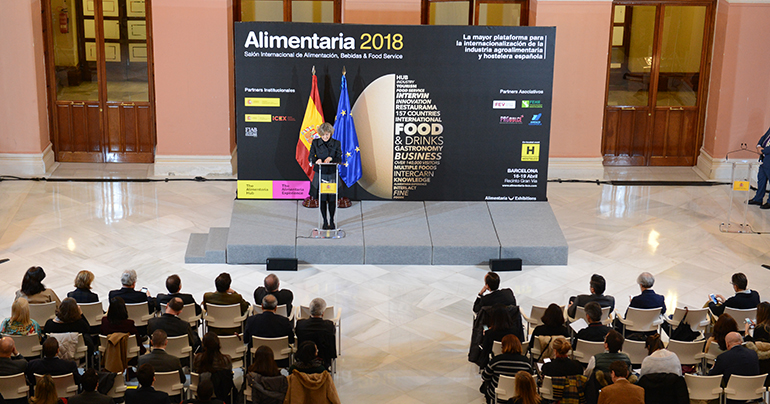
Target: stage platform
386,232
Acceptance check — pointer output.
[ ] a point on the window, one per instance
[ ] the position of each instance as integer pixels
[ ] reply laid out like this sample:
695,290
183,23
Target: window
289,10
475,12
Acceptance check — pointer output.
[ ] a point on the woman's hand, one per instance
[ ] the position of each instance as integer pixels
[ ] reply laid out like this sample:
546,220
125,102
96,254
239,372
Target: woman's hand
318,161
328,160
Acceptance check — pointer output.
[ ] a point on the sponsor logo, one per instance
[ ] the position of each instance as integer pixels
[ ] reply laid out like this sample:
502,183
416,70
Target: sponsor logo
262,102
282,118
531,104
259,118
512,119
504,104
530,151
535,121
251,131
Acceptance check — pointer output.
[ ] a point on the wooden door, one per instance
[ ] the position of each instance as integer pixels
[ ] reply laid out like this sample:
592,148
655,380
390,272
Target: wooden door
656,92
99,66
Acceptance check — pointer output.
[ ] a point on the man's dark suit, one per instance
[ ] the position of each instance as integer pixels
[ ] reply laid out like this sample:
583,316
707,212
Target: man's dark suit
83,296
741,300
500,296
174,327
162,361
90,397
146,395
595,332
739,360
648,299
284,296
582,300
268,325
322,333
129,295
763,173
51,366
187,298
13,365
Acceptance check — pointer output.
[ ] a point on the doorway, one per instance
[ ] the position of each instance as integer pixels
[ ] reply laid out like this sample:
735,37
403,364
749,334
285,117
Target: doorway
100,80
657,79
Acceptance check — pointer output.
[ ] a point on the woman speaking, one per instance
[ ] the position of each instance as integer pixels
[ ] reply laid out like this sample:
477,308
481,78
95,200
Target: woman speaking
325,150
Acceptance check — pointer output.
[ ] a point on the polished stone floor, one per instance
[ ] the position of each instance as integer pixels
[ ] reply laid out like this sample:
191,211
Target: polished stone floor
405,329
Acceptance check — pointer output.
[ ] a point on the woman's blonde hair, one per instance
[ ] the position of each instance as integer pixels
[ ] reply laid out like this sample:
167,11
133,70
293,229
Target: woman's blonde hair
83,279
20,311
526,388
45,391
561,346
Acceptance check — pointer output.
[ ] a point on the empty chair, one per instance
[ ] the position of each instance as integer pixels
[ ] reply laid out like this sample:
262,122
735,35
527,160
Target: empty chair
93,312
168,382
745,388
704,387
505,388
138,313
187,313
635,351
14,386
580,312
27,345
640,320
584,350
280,346
546,390
689,353
234,346
65,384
179,347
42,312
224,316
698,319
118,389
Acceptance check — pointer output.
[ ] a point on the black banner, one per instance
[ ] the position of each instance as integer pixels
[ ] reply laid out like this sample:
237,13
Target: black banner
441,112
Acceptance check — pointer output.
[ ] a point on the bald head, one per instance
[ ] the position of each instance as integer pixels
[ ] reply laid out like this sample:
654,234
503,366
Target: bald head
733,339
269,303
7,347
272,283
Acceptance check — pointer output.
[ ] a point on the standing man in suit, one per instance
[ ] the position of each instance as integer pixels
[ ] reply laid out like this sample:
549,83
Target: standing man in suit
763,174
744,298
174,285
495,296
131,295
318,330
621,391
597,287
736,360
50,364
173,325
90,381
161,360
11,362
273,287
146,394
224,296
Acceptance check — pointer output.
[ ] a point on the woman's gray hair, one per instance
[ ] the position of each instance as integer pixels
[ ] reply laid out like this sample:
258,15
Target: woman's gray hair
645,280
325,127
128,278
317,307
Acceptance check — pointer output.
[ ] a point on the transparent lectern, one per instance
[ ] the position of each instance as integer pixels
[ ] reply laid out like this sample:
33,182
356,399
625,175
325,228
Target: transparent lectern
328,185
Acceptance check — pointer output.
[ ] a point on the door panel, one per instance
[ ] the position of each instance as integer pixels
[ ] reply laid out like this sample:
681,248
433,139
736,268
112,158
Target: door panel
673,137
624,141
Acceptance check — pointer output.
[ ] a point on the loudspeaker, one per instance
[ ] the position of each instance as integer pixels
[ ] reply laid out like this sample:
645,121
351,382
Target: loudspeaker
505,264
281,264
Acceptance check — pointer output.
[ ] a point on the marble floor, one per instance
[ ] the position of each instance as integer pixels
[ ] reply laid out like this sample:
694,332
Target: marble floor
405,329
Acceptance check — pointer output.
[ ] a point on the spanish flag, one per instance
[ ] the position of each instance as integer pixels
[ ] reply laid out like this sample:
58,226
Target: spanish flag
314,116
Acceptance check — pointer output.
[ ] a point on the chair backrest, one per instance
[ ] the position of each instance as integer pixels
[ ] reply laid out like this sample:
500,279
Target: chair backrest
580,312
642,320
14,386
704,387
534,315
745,387
168,382
714,351
586,349
280,310
505,388
635,351
179,346
224,316
195,379
497,348
738,314
698,318
304,312
65,384
118,389
280,346
187,313
27,345
42,312
93,312
132,346
234,346
81,350
138,313
546,390
689,353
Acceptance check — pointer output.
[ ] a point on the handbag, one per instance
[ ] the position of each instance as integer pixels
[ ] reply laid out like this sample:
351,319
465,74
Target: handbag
683,331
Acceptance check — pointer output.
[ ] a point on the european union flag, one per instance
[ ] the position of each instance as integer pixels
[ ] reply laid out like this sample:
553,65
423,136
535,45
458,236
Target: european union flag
345,132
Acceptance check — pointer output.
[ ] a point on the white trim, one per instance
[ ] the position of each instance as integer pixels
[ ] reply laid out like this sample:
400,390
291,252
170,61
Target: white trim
717,169
576,168
28,164
192,166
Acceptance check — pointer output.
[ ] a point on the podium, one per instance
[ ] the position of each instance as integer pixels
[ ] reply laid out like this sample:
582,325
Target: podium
328,187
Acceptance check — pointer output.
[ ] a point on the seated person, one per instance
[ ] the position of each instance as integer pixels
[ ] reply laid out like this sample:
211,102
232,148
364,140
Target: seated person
553,324
659,359
117,319
69,318
224,296
495,296
761,325
174,285
89,381
45,392
146,394
129,294
173,325
82,292
561,364
500,325
11,362
267,383
724,325
212,361
268,324
736,360
648,299
613,343
20,323
621,391
321,332
596,331
161,360
744,298
597,287
50,364
273,287
508,363
33,290
306,359
205,394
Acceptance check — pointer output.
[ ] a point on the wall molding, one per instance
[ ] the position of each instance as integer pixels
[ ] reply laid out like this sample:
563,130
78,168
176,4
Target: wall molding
28,164
193,166
719,169
576,168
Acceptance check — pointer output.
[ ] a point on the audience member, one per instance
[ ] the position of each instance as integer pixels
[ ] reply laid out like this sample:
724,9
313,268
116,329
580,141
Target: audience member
621,391
736,360
174,286
173,325
724,325
11,362
561,364
508,363
648,299
268,324
306,359
744,298
224,296
761,324
45,392
597,285
268,385
659,359
273,287
89,381
69,318
525,389
205,394
146,394
495,296
316,388
82,292
553,324
20,323
129,294
596,331
211,361
613,343
50,364
33,290
117,319
500,325
161,360
318,330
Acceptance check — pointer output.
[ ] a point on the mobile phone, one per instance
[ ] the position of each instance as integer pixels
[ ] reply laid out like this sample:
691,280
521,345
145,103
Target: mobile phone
748,321
713,298
546,360
144,290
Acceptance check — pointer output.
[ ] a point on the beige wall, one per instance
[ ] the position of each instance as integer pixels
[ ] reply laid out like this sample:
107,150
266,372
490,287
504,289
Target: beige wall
23,105
404,12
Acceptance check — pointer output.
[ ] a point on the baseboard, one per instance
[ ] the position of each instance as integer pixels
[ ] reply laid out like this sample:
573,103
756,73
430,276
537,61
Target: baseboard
576,168
28,164
192,166
720,169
